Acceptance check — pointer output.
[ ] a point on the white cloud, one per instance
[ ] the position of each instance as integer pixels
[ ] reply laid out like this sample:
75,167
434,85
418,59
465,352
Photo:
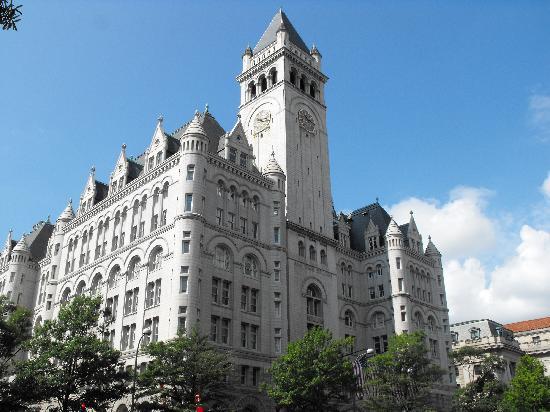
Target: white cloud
517,288
539,111
459,227
545,188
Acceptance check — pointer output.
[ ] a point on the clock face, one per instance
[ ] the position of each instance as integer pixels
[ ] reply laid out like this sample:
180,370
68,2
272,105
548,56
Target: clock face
262,122
305,121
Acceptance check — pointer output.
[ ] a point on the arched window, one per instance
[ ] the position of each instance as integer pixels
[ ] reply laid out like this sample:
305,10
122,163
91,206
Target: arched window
255,203
221,188
301,249
378,320
133,268
155,260
65,295
222,257
323,257
418,320
293,76
252,90
379,270
349,319
431,323
156,196
313,89
263,84
312,253
96,283
313,301
113,274
250,266
166,186
80,288
273,73
244,198
303,82
232,193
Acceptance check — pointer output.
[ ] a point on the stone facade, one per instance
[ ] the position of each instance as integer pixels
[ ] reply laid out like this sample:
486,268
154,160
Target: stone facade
235,232
534,339
491,337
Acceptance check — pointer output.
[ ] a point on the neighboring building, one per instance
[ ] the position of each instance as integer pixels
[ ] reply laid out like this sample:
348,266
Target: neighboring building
235,232
534,339
494,339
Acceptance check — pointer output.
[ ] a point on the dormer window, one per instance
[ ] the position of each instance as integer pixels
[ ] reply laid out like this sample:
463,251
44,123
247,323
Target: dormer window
243,159
151,163
159,158
475,333
232,155
373,244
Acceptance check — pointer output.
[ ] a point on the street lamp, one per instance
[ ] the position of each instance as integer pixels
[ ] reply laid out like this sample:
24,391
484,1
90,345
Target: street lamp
358,367
146,332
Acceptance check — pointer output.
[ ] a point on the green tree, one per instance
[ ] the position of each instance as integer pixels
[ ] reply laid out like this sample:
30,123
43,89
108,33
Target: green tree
529,390
179,369
400,378
15,326
70,364
313,375
10,15
485,392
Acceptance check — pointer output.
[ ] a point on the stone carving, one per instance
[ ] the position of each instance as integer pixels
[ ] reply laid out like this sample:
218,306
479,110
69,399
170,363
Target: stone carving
305,121
262,123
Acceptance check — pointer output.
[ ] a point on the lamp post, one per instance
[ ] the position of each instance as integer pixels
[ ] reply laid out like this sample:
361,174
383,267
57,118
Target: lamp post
366,353
146,332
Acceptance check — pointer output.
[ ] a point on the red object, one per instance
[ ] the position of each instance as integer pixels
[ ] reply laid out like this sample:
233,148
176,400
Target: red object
83,406
200,409
197,398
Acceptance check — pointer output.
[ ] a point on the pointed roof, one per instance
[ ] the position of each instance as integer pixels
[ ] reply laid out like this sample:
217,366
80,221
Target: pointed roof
68,213
7,245
371,227
412,229
393,229
195,126
21,245
272,166
431,249
270,35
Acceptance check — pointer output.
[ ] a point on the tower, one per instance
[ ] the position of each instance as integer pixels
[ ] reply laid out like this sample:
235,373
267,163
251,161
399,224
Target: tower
282,111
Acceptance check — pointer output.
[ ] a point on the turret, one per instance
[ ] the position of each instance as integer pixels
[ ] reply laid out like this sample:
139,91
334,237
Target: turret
273,171
316,56
247,58
433,252
6,251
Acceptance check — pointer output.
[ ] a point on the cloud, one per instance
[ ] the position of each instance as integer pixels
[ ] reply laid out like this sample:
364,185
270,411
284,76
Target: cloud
539,113
545,188
459,227
513,287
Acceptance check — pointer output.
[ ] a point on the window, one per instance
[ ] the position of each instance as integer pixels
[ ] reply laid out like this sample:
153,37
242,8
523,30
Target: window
182,320
348,319
188,202
214,324
125,336
254,337
400,284
226,286
277,304
398,263
156,259
312,253
371,292
380,290
250,266
244,373
219,216
132,336
233,155
190,172
185,246
475,333
215,290
254,230
244,334
379,320
403,314
277,340
157,291
158,158
301,249
313,301
372,243
243,159
155,331
536,340
230,220
277,271
222,257
184,278
379,270
276,235
225,330
276,206
249,299
323,257
244,229
380,343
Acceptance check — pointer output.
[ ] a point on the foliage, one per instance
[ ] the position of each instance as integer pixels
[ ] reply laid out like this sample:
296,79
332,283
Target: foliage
313,374
70,364
10,15
529,390
181,368
15,325
485,392
400,378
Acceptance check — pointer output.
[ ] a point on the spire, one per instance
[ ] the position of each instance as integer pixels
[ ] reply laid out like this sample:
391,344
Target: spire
413,230
248,51
7,245
393,229
195,125
273,166
314,51
22,245
431,250
280,22
68,213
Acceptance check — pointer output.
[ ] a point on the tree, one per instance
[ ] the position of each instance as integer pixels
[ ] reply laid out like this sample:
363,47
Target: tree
181,368
70,364
313,375
400,378
15,323
529,390
485,392
10,15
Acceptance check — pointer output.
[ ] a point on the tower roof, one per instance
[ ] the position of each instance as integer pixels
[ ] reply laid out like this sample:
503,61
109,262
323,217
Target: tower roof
21,245
270,35
68,213
393,229
195,126
272,166
431,249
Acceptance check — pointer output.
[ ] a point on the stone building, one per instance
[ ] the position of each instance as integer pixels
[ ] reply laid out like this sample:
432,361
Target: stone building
534,339
235,232
491,337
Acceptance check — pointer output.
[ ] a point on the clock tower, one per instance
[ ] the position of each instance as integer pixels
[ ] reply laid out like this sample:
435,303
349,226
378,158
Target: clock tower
282,110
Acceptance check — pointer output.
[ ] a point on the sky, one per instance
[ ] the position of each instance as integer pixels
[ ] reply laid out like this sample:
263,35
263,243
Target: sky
440,107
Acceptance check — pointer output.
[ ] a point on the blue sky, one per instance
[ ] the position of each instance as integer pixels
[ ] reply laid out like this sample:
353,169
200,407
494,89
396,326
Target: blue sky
424,97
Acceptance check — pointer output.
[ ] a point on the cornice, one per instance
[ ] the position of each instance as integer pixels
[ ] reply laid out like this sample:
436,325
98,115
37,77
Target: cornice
128,189
239,171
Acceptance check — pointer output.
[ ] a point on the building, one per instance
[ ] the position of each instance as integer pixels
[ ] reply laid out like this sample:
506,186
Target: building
491,337
235,232
534,339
